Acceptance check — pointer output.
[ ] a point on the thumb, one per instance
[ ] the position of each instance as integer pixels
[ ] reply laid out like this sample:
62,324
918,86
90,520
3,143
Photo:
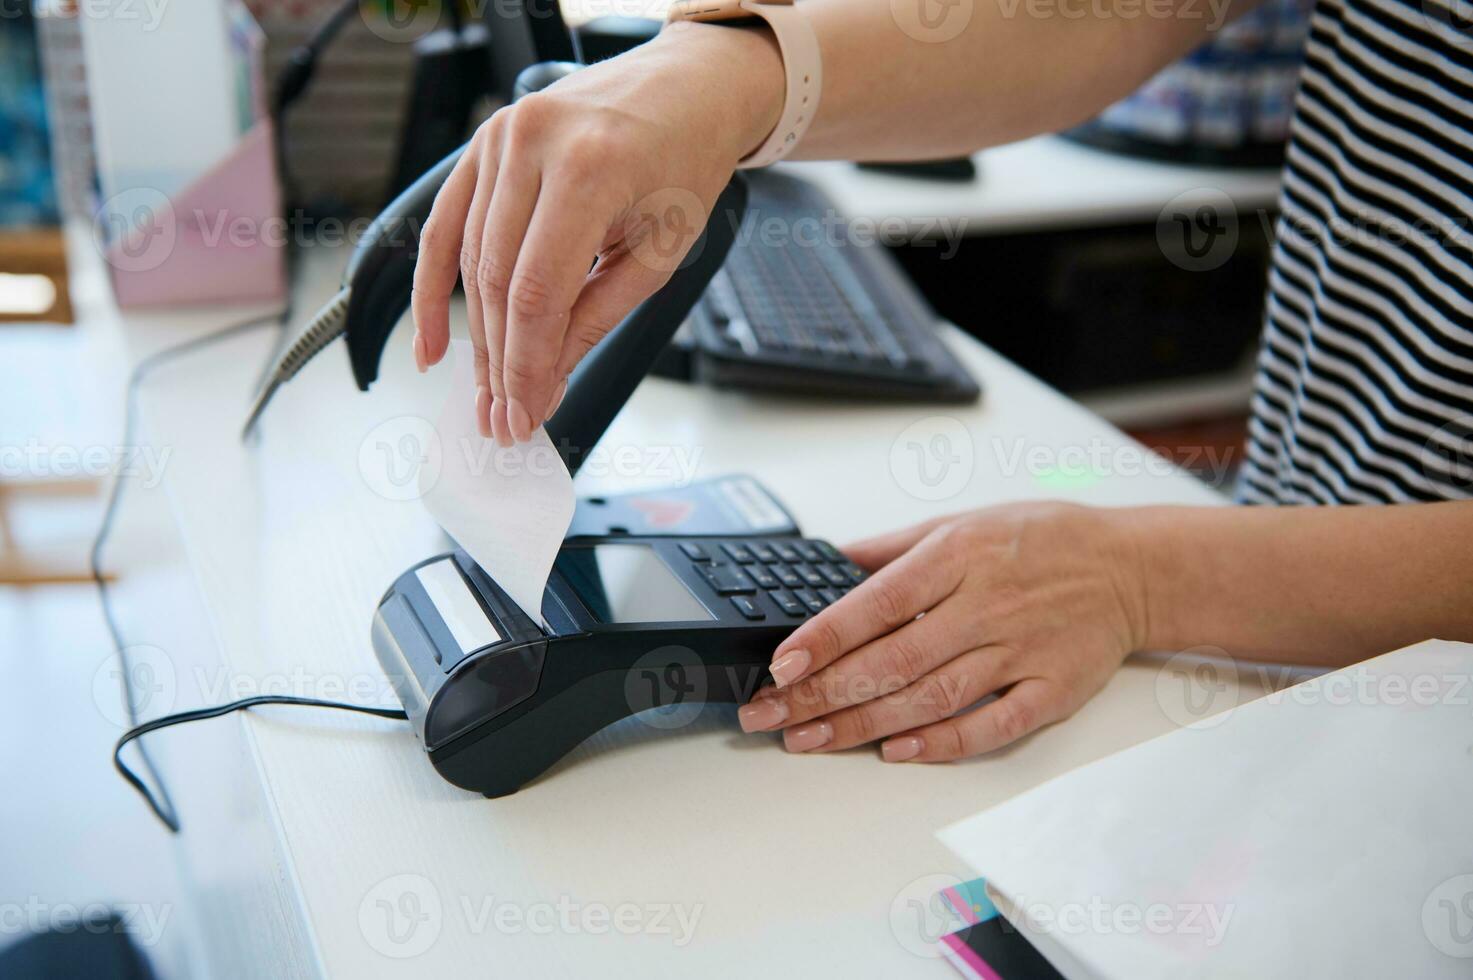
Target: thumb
617,285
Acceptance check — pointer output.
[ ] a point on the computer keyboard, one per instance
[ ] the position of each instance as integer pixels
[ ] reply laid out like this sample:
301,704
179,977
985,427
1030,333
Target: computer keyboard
801,306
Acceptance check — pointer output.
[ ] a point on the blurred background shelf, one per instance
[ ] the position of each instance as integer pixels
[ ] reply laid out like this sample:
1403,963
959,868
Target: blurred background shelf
33,276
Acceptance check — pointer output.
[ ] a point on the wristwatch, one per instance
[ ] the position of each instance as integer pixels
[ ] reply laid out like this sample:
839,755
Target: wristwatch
801,63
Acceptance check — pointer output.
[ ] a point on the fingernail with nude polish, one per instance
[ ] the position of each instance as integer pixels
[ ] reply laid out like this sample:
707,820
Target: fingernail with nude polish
557,399
789,667
421,353
499,434
807,737
902,749
518,421
762,714
483,410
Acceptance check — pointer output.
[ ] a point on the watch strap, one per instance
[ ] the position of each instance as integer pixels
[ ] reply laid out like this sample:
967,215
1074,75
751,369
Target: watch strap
802,65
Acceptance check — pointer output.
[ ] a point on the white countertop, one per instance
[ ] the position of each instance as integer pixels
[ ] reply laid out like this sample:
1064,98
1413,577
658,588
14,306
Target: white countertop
1038,184
325,843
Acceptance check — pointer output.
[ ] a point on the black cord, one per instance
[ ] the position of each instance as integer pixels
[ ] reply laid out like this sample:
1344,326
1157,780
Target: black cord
296,75
171,819
162,805
291,84
302,61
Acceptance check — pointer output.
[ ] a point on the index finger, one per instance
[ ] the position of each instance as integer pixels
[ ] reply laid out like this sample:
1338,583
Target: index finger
567,227
438,264
910,585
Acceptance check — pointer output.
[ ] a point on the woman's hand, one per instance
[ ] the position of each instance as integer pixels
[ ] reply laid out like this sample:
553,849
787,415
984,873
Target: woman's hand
620,162
1036,603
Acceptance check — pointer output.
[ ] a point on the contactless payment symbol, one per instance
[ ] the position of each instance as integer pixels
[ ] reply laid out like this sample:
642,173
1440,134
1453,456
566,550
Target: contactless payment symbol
663,513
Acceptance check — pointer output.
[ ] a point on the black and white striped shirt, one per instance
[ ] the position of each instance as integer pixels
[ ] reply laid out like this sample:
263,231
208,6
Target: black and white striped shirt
1365,382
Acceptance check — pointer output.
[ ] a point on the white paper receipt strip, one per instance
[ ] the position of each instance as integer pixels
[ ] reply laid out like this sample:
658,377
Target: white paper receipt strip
509,507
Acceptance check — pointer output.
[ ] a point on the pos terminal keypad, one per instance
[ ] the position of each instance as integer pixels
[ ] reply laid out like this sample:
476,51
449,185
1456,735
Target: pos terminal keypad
787,577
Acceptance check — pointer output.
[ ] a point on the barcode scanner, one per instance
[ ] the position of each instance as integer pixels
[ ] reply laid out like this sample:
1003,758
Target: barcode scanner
379,277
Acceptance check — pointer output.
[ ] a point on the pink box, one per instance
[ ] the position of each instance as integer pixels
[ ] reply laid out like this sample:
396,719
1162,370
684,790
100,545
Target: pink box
220,239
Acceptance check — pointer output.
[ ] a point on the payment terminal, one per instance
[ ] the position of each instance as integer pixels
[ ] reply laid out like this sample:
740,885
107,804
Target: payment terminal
654,602
632,624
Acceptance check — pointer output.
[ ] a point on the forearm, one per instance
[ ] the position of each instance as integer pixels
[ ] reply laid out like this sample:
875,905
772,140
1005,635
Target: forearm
1017,68
1322,585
